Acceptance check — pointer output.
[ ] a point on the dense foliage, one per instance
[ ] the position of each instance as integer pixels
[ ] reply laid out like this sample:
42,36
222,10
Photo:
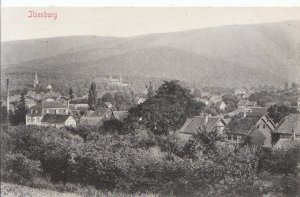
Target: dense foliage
276,113
140,162
166,111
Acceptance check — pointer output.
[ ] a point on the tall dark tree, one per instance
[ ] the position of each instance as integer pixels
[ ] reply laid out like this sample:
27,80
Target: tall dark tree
71,96
19,117
92,98
286,86
150,90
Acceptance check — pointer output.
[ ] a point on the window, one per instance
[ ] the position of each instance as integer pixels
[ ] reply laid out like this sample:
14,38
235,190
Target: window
264,126
229,137
234,137
257,126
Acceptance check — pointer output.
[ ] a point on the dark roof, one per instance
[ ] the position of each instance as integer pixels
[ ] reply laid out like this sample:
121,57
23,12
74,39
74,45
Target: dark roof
191,124
53,104
289,124
55,118
100,112
79,101
120,115
242,125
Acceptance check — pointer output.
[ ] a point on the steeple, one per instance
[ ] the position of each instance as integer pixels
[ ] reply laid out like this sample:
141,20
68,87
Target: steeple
36,81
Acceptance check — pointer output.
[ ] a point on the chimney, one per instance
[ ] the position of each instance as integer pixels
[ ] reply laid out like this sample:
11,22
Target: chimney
294,135
7,95
244,114
206,119
68,101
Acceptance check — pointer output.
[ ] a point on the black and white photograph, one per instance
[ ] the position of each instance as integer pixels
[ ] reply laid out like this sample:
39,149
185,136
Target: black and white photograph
150,101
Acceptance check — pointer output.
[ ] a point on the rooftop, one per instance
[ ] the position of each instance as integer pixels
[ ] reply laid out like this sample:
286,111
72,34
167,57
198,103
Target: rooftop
289,124
55,118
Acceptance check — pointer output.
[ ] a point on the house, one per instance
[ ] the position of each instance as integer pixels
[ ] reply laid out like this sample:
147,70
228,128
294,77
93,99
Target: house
211,123
242,105
30,102
140,100
96,118
220,105
202,100
205,95
108,104
287,133
258,110
118,80
259,127
240,93
50,113
119,115
251,104
54,107
34,115
80,104
215,99
58,120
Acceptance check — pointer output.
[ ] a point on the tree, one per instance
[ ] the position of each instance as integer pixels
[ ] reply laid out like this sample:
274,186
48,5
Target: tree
166,111
71,96
108,97
294,85
92,98
150,90
276,113
19,117
286,86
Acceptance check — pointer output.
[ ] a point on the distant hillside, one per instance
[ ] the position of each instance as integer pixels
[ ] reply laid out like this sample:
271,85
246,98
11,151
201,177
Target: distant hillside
250,55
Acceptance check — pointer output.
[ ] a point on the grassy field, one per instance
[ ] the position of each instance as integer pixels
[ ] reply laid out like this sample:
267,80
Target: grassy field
12,190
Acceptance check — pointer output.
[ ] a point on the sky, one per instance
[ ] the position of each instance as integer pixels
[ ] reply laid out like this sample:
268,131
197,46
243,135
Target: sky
222,3
123,22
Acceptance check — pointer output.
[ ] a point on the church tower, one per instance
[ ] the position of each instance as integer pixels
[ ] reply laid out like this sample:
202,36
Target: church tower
36,81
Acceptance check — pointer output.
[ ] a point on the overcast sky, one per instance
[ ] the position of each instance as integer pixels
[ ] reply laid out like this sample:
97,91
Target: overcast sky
15,24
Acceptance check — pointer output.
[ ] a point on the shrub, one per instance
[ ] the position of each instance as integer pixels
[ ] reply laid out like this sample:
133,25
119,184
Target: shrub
17,168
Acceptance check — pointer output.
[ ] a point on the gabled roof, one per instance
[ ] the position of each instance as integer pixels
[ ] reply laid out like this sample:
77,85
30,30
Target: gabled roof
289,124
108,104
120,115
242,125
219,103
245,125
101,112
91,121
55,118
53,104
284,143
192,124
79,101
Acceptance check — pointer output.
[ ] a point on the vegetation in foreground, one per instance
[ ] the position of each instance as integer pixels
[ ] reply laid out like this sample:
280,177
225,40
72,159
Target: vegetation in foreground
49,158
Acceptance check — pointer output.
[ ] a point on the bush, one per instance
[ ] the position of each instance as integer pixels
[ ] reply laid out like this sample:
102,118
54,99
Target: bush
17,168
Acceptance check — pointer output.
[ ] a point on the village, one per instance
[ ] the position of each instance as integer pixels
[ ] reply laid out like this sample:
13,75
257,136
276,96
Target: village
248,120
